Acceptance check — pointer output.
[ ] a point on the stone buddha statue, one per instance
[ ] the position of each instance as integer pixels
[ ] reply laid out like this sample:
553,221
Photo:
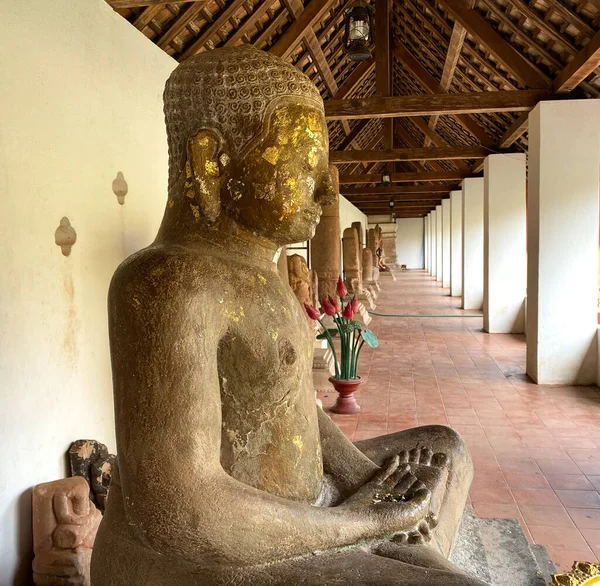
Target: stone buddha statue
227,471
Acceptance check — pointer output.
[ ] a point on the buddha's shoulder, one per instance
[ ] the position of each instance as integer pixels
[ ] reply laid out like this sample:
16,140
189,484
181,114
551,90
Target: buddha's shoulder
158,264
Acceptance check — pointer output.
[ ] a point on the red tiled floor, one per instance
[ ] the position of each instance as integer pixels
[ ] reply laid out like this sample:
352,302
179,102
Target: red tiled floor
536,449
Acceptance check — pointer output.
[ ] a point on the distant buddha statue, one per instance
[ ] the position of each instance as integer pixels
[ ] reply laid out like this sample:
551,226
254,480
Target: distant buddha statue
227,472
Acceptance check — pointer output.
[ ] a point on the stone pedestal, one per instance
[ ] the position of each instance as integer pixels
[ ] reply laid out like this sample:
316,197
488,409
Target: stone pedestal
472,262
326,247
504,244
456,243
562,265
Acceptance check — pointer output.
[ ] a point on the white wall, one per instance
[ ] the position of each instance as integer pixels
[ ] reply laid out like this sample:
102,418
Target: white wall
80,101
409,242
350,213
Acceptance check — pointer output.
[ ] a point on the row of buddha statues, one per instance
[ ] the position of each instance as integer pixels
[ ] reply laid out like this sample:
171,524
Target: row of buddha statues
227,471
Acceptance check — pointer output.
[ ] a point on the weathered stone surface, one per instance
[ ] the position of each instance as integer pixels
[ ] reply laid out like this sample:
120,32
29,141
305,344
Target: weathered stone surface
352,265
65,523
326,249
299,278
90,460
222,452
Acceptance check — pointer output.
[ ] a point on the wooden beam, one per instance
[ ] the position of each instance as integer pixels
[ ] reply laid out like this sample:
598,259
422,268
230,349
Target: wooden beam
396,189
457,39
501,49
146,16
185,17
425,105
212,29
237,37
407,177
354,134
383,60
412,154
355,79
584,63
435,138
294,33
433,87
407,197
119,4
516,130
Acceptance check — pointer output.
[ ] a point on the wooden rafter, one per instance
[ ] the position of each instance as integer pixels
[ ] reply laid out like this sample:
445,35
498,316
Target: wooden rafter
396,189
425,105
433,87
120,4
357,76
291,37
405,177
435,138
409,198
411,154
501,49
186,16
383,60
584,63
457,39
146,16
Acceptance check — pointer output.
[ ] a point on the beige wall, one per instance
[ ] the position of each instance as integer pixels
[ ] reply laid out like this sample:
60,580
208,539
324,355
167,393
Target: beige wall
80,101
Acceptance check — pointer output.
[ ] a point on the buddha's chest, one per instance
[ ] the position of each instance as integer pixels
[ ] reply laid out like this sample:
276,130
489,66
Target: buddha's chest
270,433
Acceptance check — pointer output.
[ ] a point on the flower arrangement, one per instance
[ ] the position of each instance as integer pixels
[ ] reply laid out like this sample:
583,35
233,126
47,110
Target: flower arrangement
352,334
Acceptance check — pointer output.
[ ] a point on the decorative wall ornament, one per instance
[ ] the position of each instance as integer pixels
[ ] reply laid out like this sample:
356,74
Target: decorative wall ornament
120,187
65,236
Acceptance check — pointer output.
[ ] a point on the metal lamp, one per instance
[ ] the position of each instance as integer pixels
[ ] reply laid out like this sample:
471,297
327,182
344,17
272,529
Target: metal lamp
359,36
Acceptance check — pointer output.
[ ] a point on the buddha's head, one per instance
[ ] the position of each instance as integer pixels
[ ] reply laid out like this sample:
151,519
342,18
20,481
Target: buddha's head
248,141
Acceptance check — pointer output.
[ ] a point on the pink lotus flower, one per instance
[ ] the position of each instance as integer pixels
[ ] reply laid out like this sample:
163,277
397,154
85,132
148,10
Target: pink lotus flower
336,304
348,313
311,311
354,303
328,307
341,288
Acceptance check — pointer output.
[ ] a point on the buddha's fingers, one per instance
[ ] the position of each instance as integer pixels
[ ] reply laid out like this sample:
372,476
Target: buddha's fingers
387,471
402,479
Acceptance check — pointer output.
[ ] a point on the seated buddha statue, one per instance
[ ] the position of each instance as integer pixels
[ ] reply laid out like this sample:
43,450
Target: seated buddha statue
227,471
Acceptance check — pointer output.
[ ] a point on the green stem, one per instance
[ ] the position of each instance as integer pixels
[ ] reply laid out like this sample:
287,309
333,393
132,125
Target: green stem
332,347
362,343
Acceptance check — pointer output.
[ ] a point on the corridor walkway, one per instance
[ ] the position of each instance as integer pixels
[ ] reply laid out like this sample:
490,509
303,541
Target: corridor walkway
536,449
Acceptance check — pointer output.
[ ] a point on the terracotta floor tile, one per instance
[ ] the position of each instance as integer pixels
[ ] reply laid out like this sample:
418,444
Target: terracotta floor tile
492,495
569,482
518,480
547,516
585,518
579,499
558,537
563,559
536,496
558,467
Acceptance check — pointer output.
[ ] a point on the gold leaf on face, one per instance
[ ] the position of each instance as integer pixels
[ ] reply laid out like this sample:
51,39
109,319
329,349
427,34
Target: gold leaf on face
271,154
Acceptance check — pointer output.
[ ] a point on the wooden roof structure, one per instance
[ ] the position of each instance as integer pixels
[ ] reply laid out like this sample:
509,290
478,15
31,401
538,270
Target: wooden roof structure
451,80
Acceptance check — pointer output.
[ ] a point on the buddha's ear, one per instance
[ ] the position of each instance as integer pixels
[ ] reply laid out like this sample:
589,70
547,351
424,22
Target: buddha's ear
203,173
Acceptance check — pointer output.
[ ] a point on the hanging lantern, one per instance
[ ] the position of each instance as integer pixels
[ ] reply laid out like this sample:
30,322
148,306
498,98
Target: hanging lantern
386,179
359,36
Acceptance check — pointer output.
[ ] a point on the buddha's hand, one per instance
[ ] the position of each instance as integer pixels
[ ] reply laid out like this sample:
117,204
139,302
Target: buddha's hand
398,501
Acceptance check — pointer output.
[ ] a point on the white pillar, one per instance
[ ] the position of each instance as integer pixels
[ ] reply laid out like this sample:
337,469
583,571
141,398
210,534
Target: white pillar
456,243
504,243
432,238
438,242
472,265
446,243
562,236
425,241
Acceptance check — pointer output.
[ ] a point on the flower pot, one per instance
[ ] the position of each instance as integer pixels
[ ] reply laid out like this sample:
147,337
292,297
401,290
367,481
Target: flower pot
346,403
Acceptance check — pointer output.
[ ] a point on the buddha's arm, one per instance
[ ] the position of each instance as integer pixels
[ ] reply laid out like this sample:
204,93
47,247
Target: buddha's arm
347,465
178,499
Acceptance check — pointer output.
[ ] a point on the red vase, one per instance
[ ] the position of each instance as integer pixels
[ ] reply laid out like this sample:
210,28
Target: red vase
346,403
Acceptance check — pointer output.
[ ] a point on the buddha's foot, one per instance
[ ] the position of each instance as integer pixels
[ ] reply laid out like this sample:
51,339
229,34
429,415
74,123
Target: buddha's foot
424,457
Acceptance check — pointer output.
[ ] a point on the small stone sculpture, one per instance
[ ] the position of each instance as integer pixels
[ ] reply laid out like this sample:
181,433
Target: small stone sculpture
299,278
353,270
65,523
120,187
90,460
65,236
367,272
